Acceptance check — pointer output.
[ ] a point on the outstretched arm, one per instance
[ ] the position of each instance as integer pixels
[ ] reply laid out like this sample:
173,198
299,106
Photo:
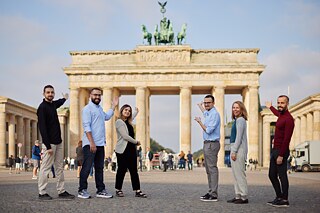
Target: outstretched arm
200,105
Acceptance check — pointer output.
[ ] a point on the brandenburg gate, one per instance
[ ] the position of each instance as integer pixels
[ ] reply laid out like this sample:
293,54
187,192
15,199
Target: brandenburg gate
160,70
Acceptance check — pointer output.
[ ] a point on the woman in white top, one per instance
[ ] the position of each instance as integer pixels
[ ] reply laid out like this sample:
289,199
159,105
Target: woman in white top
126,152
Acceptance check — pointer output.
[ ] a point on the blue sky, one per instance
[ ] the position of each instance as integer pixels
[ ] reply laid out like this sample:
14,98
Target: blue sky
37,35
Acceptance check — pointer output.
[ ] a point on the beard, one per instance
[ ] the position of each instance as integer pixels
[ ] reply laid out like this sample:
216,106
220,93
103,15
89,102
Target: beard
282,109
49,98
96,101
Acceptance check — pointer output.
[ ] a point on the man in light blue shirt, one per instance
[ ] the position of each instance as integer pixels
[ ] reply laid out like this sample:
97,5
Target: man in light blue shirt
211,146
93,142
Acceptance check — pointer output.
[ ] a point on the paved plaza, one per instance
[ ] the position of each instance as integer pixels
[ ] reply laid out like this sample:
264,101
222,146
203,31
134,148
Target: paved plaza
172,191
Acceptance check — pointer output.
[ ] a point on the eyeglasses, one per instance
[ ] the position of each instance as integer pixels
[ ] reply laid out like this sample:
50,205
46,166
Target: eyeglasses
96,94
207,102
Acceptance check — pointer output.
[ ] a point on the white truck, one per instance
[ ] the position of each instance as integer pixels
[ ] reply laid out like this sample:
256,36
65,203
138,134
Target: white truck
308,156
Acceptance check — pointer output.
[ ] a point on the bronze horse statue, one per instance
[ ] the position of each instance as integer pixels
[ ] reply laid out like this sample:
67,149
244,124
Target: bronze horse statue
146,34
182,34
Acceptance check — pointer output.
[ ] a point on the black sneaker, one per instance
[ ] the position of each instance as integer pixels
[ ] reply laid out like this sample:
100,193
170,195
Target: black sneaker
45,197
203,196
274,201
281,203
233,200
66,195
209,197
240,201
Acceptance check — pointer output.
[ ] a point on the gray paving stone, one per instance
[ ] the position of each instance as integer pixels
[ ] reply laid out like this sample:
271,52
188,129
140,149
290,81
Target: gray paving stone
172,191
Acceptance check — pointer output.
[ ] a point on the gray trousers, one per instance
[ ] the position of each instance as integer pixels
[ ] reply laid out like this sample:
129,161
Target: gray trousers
239,174
210,151
48,160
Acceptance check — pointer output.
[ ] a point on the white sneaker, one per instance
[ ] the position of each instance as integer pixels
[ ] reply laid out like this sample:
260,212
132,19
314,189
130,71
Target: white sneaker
104,194
84,194
34,178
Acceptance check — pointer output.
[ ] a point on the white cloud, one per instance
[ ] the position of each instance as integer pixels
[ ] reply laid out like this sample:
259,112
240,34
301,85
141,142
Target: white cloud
302,17
293,67
20,36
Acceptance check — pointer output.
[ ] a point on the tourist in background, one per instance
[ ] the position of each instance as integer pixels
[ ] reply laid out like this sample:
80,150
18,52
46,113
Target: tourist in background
79,154
190,160
36,157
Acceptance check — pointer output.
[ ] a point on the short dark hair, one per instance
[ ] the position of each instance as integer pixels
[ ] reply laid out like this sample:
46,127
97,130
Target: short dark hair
210,96
47,86
284,96
95,89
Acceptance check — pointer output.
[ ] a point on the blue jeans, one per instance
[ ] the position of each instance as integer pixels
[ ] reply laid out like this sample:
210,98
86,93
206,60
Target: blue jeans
88,159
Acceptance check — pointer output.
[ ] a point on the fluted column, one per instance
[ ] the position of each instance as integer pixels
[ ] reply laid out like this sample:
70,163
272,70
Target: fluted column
309,126
74,120
253,122
219,104
266,143
185,119
115,93
20,136
83,95
245,98
316,125
297,134
303,128
2,139
107,100
141,118
63,121
12,150
147,119
27,136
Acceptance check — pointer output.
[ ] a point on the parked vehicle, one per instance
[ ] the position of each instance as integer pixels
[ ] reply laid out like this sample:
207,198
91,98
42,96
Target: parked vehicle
307,156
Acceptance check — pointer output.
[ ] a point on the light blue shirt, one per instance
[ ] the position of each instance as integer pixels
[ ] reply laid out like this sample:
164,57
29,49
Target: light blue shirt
93,118
212,124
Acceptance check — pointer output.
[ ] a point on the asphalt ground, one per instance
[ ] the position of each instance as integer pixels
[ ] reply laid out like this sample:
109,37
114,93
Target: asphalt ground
172,191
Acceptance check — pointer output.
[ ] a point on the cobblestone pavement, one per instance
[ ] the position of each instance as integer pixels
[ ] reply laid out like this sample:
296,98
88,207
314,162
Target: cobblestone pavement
172,191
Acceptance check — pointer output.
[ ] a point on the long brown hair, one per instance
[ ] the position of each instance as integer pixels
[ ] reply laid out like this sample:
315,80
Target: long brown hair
243,110
122,108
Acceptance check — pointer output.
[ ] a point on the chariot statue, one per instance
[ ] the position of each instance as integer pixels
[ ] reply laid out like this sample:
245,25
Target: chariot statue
164,34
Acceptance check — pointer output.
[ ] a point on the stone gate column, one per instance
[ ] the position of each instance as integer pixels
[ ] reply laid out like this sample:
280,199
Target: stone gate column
219,104
266,143
12,143
107,100
3,149
316,125
63,121
74,120
20,135
297,131
303,128
253,122
185,119
141,118
147,119
27,136
115,93
309,126
83,95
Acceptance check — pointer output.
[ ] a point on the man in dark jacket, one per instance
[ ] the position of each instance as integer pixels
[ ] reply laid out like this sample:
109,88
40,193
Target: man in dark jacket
53,148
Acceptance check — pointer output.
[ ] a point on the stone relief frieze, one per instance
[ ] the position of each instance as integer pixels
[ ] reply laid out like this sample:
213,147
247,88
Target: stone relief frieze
165,57
164,77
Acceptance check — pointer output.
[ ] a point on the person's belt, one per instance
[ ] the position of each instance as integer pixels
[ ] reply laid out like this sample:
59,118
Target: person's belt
211,141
